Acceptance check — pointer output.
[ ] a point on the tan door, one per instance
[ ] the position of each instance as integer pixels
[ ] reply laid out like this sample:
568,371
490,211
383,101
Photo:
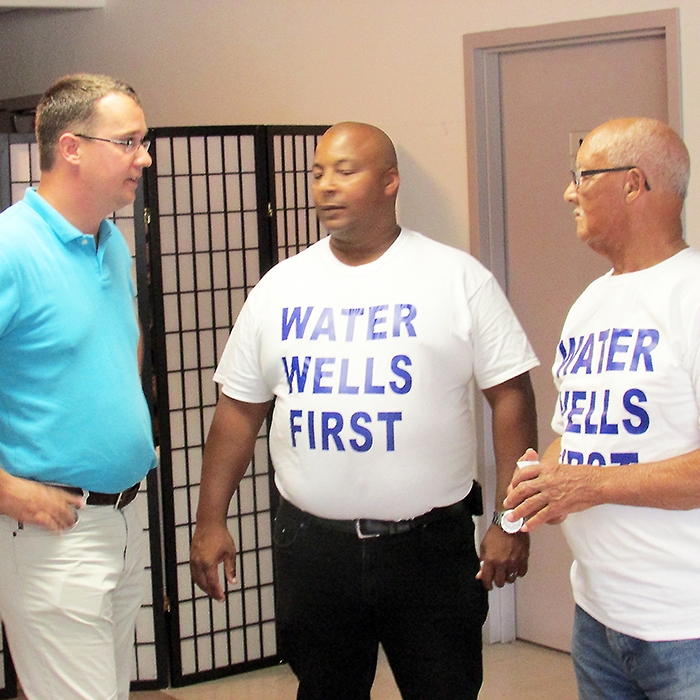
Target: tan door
550,98
551,95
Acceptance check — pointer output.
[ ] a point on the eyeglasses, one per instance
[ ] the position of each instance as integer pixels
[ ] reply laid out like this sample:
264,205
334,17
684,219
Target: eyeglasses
576,175
130,145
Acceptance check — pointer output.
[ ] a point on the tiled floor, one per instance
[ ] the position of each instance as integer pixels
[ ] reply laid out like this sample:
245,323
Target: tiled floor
517,671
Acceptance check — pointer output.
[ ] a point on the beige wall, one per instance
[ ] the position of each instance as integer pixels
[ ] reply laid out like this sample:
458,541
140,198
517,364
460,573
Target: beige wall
395,63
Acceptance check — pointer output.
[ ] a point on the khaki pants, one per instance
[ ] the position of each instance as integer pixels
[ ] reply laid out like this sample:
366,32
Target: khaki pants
69,603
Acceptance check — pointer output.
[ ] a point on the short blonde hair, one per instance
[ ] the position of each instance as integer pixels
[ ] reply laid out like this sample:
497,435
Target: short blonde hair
68,104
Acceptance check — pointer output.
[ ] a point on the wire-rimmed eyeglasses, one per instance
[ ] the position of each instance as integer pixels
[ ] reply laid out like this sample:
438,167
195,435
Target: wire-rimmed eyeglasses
576,175
129,145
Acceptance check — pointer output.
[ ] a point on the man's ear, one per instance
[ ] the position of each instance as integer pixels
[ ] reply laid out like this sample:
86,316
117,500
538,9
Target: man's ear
68,148
392,181
635,183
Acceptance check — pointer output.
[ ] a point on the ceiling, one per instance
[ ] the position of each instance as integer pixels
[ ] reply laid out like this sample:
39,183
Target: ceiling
9,5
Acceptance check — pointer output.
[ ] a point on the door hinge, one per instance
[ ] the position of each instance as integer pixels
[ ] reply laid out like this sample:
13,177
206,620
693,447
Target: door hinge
166,604
269,209
146,216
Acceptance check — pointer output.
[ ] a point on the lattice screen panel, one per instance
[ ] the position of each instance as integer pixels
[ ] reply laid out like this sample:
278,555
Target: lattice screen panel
8,680
19,168
207,216
297,226
224,204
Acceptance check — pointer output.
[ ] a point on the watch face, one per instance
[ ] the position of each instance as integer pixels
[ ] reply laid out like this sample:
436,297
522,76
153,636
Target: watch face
507,525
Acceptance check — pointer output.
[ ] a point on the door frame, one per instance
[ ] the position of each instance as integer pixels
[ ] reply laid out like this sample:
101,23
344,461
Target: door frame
486,179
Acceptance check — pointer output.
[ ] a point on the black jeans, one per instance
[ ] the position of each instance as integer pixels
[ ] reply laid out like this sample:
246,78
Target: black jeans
339,597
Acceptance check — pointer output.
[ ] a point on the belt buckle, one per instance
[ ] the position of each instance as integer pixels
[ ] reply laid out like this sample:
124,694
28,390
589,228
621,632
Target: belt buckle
362,535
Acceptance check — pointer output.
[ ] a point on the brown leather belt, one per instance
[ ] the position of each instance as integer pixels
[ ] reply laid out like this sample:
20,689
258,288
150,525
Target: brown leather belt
95,498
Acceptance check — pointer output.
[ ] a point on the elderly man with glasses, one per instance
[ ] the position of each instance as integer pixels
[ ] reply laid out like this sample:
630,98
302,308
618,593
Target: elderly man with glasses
624,477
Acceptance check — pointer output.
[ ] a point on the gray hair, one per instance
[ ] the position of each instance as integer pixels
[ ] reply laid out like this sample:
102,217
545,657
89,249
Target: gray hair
648,144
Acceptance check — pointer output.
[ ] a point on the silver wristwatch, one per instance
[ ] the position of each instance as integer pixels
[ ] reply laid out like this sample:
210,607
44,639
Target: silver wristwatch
499,518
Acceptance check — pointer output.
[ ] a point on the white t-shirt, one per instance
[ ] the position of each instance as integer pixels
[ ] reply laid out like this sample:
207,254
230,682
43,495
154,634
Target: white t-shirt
628,374
372,370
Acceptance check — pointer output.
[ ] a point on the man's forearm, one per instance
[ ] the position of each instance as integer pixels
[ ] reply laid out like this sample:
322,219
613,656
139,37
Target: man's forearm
228,451
672,484
514,428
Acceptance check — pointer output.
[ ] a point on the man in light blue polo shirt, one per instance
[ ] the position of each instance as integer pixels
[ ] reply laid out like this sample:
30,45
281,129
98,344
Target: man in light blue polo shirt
75,430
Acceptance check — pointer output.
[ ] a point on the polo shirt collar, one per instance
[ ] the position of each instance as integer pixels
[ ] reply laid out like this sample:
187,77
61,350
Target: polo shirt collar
64,230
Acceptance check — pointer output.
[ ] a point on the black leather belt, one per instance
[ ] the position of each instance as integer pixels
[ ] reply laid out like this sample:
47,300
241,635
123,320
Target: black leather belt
365,528
95,498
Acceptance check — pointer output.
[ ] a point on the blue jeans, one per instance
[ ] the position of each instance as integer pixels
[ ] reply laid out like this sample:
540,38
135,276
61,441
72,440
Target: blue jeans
339,597
610,665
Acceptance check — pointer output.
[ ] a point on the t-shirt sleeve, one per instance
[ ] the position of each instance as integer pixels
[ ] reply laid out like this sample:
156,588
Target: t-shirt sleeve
502,350
694,357
240,370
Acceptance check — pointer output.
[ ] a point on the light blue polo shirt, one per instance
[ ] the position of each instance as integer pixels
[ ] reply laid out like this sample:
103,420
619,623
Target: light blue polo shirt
72,410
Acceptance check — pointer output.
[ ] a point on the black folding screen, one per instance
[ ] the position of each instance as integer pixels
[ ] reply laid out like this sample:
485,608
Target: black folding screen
218,207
